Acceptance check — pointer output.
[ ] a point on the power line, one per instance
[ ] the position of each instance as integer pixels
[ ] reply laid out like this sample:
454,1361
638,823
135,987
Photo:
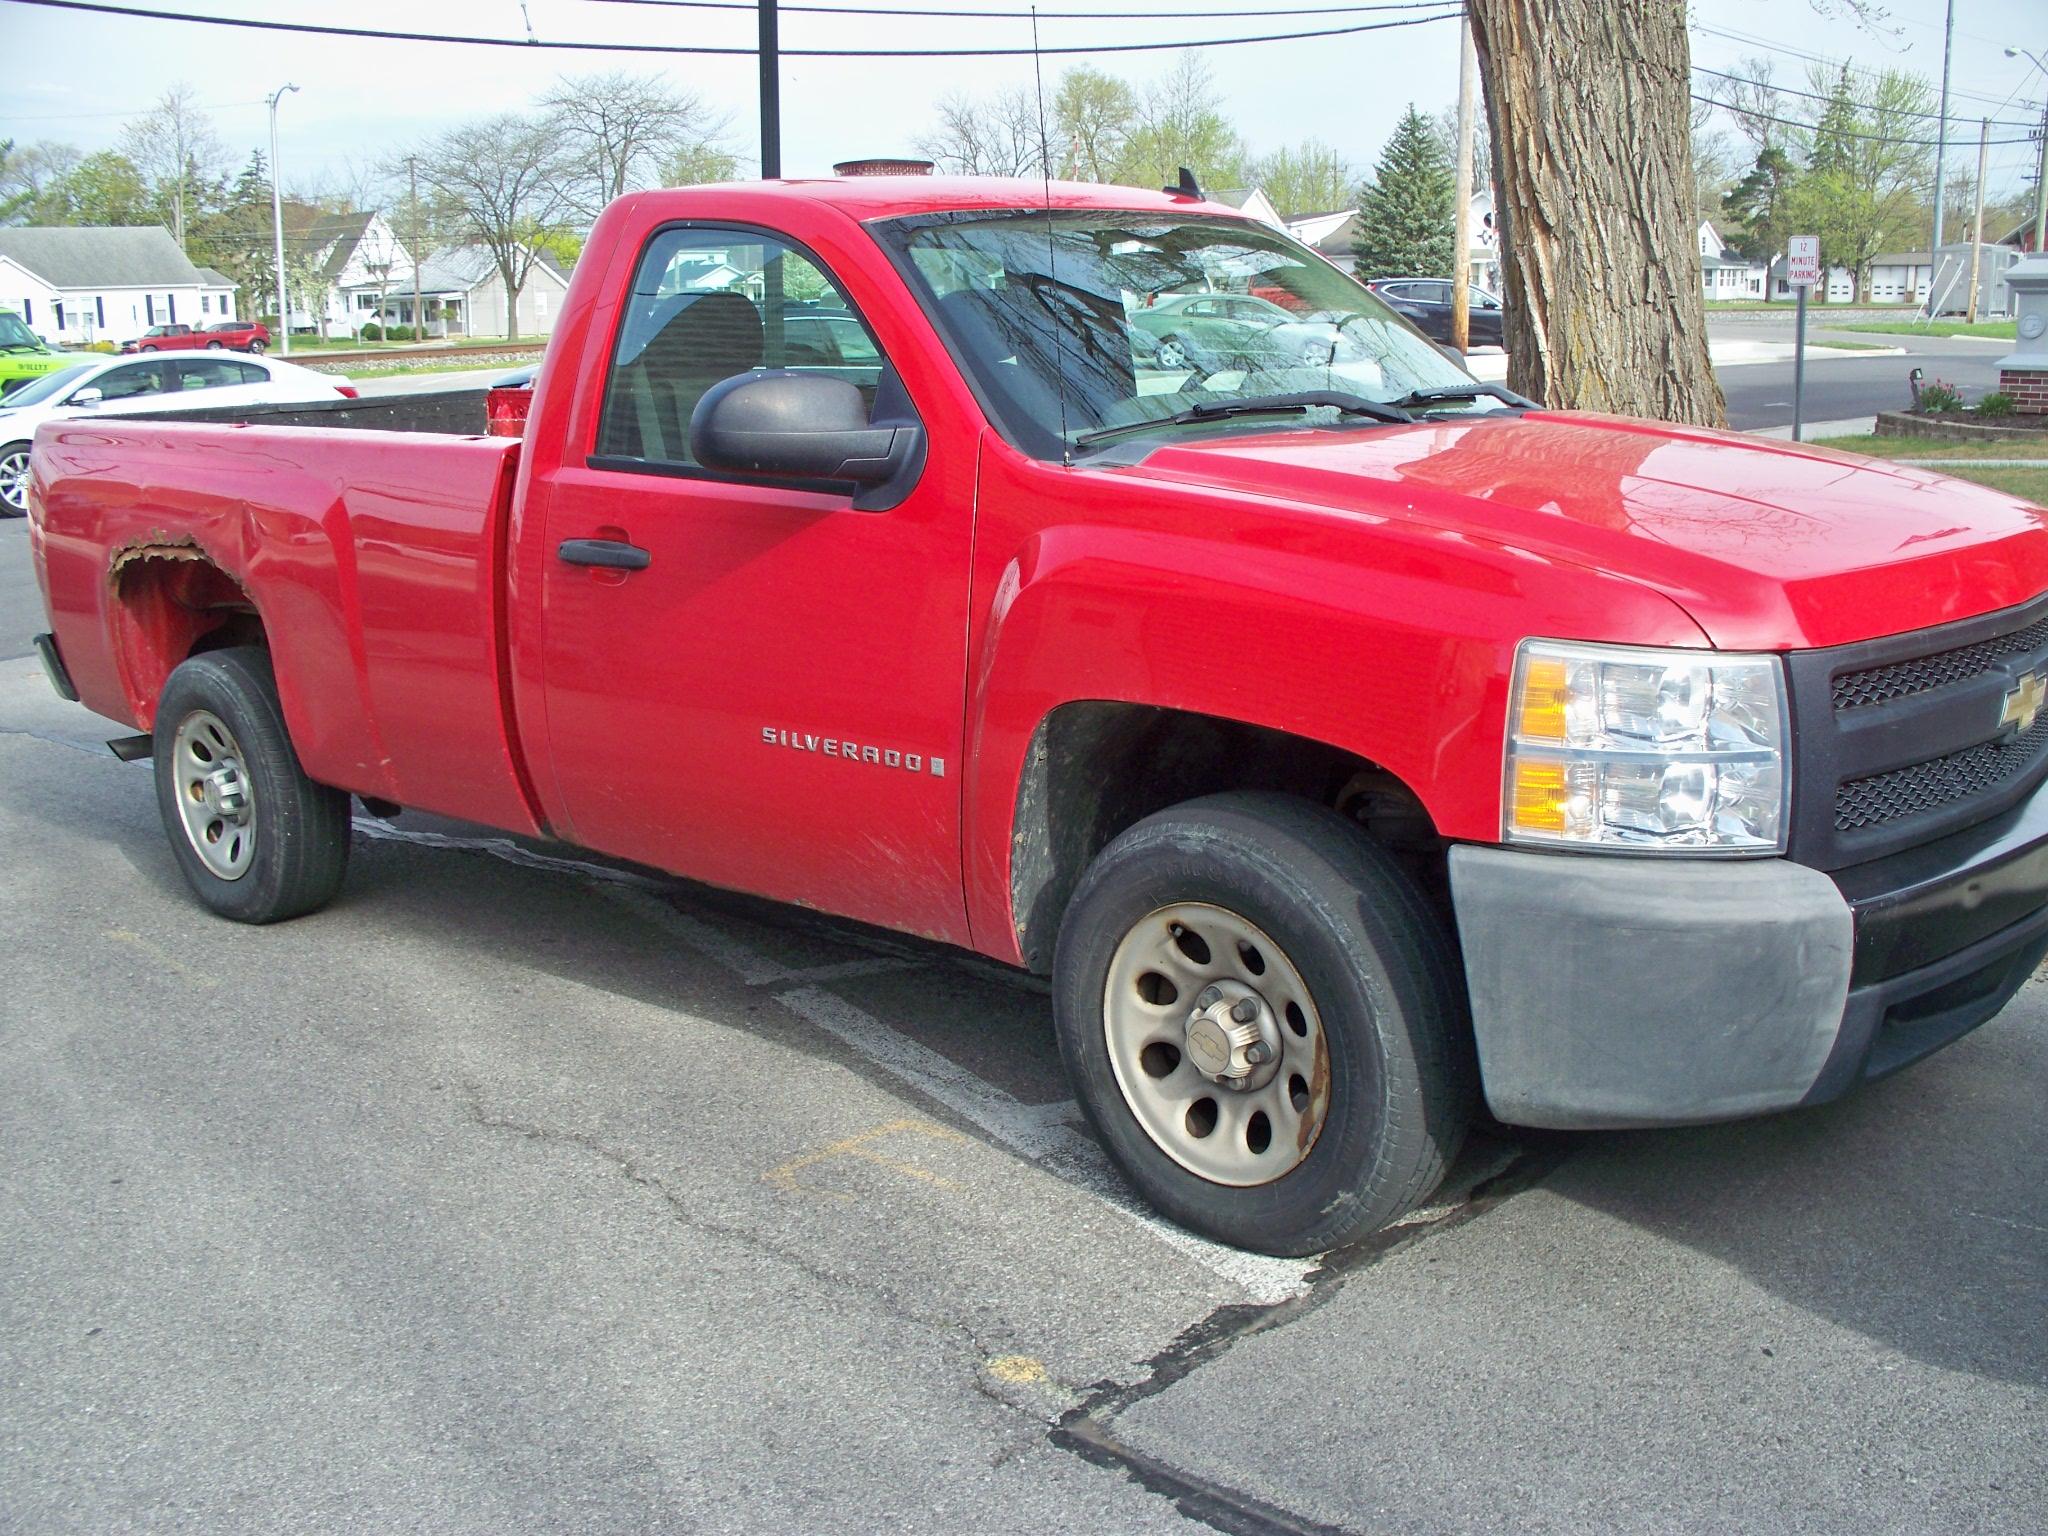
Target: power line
1786,90
535,45
1750,40
1842,133
751,6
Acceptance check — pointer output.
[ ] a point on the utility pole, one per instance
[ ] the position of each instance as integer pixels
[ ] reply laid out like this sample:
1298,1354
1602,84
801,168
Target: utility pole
1461,217
771,95
284,298
2041,170
419,315
1948,42
1977,230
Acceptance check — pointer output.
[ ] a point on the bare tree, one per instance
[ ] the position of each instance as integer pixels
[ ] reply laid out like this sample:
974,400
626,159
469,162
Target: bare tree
1756,105
619,132
990,136
1445,124
1307,178
176,149
27,174
1181,122
1592,153
504,177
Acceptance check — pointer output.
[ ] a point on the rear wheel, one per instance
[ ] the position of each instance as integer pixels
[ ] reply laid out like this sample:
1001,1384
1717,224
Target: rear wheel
1172,355
14,480
213,346
1262,1018
257,346
255,838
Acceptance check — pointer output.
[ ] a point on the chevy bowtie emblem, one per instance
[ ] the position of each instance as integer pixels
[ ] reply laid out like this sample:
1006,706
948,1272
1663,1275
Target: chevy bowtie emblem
2024,702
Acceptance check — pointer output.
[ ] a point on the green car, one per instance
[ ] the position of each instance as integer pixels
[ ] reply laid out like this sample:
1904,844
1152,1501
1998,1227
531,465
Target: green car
24,355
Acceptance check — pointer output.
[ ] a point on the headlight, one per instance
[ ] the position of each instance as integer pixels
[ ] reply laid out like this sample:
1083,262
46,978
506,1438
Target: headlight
1645,750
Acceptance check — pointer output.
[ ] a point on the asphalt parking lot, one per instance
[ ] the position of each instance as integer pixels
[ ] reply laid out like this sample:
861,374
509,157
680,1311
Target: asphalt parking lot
513,1193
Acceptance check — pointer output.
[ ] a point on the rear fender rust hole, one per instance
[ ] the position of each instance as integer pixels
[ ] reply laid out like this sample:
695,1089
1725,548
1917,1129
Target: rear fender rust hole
1159,1058
1248,955
1258,1132
1190,943
1157,990
1296,1019
1297,1093
1201,1118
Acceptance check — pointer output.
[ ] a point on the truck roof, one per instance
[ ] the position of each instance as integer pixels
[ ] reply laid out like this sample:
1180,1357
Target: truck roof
889,197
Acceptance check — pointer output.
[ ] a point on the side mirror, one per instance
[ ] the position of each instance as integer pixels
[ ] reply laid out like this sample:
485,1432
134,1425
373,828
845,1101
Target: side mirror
805,426
90,395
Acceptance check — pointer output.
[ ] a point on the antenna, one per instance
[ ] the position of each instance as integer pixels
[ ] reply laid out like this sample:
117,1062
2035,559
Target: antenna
1188,187
1051,249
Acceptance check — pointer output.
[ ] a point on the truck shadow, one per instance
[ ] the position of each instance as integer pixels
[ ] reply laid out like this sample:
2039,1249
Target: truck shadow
1910,1213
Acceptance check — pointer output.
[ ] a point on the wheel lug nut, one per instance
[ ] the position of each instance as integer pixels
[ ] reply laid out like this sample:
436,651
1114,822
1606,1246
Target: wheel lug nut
1255,1053
1244,1010
1209,998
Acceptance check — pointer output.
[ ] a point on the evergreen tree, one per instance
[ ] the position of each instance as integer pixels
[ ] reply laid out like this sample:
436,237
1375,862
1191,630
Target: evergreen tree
1407,212
1756,206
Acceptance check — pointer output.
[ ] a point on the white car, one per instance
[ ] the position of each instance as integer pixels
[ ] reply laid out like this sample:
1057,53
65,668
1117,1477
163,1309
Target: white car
124,386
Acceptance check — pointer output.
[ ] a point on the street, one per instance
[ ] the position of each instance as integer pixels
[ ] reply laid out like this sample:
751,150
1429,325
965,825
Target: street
522,1192
1845,387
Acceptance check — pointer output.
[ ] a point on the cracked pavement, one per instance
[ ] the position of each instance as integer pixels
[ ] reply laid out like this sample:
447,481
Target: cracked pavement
507,1196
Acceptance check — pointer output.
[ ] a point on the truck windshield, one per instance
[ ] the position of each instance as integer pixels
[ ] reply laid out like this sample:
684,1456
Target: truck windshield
1071,323
13,333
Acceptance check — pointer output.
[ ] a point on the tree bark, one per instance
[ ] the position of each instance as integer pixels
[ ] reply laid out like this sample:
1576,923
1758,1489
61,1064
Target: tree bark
1592,157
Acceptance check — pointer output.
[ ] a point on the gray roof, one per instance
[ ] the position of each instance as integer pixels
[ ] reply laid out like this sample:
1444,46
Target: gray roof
1901,259
463,267
333,237
100,256
215,279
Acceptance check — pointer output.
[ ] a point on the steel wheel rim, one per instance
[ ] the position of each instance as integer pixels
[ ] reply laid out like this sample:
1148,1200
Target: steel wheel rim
216,800
1172,355
1153,1045
14,479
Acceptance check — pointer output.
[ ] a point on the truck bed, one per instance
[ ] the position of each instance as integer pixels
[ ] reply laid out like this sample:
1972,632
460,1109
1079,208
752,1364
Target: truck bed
458,412
375,557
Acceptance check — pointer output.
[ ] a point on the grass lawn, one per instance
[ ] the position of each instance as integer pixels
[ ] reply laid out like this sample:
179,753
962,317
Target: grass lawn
494,365
2027,484
1996,330
1928,448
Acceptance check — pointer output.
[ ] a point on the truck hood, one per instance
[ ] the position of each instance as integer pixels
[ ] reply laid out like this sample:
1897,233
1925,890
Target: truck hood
1767,545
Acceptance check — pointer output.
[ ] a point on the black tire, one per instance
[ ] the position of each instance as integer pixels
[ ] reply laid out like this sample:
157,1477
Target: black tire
258,347
213,346
1383,971
301,829
14,480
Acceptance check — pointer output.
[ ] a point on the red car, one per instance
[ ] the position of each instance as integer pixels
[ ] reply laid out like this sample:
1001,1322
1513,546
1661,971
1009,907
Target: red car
1344,737
225,335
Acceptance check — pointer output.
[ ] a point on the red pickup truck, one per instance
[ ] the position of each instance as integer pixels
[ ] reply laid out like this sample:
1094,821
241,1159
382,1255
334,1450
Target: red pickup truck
223,335
1346,738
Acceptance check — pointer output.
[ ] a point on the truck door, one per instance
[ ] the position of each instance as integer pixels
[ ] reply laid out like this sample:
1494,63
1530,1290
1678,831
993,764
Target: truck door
767,695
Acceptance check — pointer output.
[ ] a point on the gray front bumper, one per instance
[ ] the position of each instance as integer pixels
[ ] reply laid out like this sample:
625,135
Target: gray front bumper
1614,991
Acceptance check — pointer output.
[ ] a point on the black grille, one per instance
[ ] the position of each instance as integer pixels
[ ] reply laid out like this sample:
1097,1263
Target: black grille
1877,685
1940,781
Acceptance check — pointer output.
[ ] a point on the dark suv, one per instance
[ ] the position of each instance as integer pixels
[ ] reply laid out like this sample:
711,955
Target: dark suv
1427,302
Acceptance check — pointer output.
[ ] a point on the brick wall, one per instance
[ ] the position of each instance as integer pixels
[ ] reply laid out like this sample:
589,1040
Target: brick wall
2028,388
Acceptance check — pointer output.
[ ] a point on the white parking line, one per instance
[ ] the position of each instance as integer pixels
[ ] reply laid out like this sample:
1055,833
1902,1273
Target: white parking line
1041,1134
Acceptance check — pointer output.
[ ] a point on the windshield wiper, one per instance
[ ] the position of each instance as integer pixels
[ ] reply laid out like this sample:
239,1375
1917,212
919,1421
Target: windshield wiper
1438,394
1253,405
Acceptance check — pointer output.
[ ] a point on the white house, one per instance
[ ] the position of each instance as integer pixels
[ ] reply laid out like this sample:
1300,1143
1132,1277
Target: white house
1334,234
77,285
1902,277
463,287
1250,201
357,256
1725,273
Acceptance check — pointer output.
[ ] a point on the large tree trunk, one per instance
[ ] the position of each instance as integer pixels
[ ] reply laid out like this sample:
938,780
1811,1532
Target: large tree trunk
1592,158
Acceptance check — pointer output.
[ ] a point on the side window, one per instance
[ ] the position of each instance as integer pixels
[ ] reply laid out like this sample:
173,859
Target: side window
251,373
207,373
707,304
135,379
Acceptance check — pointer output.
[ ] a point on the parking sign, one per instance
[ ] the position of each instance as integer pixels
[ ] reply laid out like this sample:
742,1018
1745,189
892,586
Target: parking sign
1802,261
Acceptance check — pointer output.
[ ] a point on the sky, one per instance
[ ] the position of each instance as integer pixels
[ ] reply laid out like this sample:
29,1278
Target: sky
77,76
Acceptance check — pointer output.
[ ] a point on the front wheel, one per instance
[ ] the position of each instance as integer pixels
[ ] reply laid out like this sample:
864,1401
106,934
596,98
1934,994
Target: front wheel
255,838
213,346
1262,1018
14,480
